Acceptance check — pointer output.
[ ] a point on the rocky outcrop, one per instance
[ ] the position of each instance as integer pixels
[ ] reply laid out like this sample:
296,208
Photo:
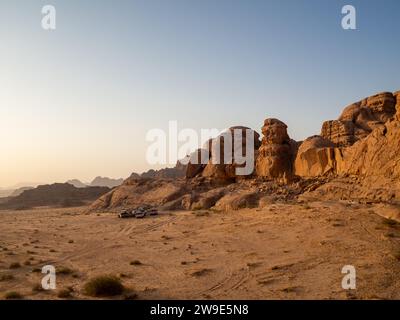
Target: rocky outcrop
351,144
359,119
376,155
340,133
356,156
382,106
275,155
135,192
373,160
223,163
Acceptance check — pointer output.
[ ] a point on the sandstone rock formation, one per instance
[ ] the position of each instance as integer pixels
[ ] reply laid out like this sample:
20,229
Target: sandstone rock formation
359,119
143,191
373,160
275,155
348,141
223,163
376,155
316,156
339,132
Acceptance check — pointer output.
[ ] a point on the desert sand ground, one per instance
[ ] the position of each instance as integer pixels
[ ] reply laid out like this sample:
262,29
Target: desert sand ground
284,251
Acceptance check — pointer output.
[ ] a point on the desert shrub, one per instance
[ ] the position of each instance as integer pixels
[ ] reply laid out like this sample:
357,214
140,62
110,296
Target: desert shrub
15,265
37,288
397,255
6,277
64,294
390,222
130,296
135,263
12,295
201,272
390,235
104,286
64,270
197,206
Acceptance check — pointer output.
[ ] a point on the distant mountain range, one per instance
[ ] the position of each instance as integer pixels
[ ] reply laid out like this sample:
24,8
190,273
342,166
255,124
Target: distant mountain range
4,193
97,182
57,194
18,189
77,183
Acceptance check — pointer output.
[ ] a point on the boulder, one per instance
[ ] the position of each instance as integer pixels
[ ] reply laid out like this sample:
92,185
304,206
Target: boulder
207,200
317,156
236,201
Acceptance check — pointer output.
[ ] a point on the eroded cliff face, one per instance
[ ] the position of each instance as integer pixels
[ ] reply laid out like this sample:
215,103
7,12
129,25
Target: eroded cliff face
376,155
364,141
358,120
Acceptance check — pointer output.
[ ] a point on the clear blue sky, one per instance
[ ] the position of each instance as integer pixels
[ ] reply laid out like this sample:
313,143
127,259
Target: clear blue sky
77,102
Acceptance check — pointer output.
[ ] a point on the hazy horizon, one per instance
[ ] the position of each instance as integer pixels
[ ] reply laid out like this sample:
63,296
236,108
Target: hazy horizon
76,103
23,184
